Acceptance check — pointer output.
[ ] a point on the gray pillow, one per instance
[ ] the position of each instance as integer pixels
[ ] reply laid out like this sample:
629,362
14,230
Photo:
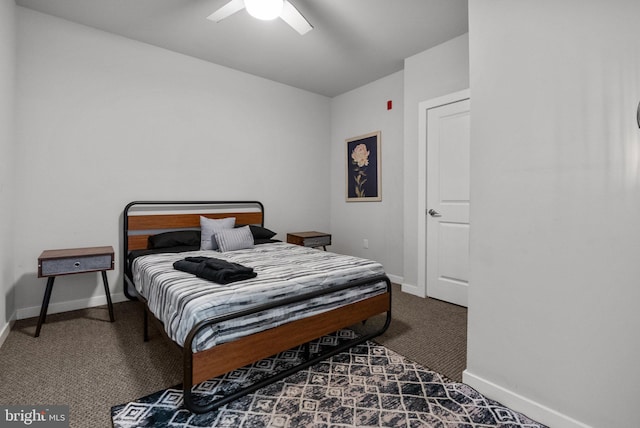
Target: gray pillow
209,227
234,239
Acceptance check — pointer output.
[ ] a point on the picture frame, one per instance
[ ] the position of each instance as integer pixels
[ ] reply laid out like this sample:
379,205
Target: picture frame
363,168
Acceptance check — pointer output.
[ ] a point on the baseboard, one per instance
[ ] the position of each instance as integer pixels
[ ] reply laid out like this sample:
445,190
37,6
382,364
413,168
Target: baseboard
72,305
7,329
412,289
395,279
519,403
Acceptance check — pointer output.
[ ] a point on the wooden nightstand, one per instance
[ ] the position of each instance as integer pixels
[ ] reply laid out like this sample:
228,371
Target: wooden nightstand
310,239
52,263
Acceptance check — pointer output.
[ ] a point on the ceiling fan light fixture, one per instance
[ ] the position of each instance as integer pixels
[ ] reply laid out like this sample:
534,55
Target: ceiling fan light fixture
264,9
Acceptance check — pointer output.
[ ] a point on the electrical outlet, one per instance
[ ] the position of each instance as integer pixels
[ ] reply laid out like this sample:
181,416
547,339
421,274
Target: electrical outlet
365,243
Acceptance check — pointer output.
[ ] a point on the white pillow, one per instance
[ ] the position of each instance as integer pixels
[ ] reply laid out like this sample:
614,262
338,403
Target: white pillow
234,239
209,227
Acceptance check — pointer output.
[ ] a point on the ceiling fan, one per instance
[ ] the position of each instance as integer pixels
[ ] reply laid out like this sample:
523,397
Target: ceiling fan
266,10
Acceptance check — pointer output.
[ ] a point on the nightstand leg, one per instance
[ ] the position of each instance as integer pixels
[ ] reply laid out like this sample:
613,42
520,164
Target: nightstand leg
108,294
45,304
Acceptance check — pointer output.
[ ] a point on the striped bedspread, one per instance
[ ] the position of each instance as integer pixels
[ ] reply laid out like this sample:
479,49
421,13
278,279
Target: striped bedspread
180,300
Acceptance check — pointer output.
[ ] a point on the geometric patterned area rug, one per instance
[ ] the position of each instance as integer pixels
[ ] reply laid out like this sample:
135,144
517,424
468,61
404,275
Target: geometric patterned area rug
366,386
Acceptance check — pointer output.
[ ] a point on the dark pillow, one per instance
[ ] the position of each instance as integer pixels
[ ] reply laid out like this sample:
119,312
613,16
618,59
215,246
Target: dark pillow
258,241
260,232
133,254
175,239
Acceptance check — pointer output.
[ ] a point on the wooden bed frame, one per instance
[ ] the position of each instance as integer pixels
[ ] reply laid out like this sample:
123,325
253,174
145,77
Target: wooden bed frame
158,216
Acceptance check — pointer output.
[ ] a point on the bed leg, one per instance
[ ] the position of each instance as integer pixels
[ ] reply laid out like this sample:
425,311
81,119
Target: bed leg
306,351
145,325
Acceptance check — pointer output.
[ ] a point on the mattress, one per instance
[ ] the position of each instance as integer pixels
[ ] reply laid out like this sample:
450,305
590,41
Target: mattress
180,300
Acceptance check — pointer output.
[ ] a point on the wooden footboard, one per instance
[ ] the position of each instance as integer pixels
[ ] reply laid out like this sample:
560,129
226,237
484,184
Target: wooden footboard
221,359
229,356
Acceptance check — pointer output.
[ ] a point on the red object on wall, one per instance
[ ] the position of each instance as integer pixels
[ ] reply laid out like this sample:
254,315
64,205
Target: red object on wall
389,105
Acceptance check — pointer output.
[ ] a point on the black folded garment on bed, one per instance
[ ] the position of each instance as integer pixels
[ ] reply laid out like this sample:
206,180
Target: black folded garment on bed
216,270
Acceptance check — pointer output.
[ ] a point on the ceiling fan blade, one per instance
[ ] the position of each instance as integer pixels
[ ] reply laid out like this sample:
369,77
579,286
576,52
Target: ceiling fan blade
227,10
293,17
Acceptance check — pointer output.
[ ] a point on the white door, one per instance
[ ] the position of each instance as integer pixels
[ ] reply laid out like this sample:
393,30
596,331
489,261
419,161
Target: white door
447,216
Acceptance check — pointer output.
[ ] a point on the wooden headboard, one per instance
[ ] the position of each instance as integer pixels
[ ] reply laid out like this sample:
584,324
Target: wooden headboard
153,217
142,219
145,218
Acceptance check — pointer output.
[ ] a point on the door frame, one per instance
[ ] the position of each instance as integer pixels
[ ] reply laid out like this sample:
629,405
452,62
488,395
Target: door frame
423,108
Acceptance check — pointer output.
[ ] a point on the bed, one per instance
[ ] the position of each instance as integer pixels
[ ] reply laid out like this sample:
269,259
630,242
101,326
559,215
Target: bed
297,294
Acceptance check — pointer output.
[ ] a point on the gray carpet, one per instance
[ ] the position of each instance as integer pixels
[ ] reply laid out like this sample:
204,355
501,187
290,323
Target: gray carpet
84,361
430,332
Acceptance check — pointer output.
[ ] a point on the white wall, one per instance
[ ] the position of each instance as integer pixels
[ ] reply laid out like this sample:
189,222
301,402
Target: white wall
103,120
435,72
391,226
355,113
7,144
555,176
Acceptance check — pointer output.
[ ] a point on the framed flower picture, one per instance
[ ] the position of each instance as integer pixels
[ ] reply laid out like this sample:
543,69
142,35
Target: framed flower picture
363,168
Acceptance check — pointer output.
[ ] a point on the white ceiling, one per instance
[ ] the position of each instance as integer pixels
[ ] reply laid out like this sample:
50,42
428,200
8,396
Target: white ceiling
353,42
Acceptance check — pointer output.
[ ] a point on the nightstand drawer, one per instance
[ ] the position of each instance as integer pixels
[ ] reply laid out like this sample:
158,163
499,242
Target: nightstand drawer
75,265
75,260
317,241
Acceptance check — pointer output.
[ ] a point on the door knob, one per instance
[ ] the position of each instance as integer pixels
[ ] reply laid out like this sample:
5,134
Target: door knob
434,213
